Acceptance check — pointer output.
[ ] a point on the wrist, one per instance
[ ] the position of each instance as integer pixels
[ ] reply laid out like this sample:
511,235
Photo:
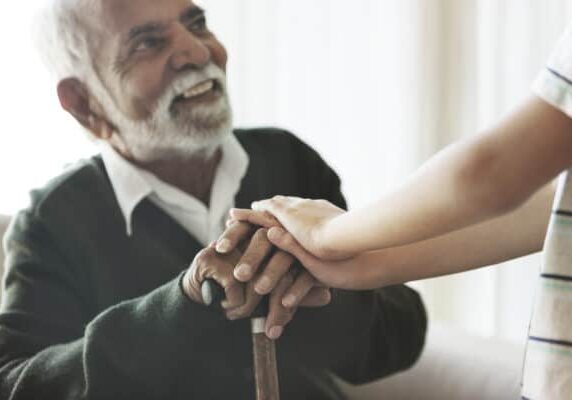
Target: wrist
191,287
331,243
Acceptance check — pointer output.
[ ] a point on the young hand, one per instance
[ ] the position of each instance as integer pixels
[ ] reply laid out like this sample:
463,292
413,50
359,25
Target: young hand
355,273
307,220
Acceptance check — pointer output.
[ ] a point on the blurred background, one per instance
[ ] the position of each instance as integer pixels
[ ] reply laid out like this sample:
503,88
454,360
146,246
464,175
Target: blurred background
376,86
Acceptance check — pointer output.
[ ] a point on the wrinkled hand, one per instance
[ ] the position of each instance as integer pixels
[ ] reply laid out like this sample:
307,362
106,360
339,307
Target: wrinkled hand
220,260
307,221
354,273
210,265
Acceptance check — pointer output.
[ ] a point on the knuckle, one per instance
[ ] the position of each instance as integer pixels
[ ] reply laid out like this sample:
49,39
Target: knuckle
261,233
243,226
208,253
241,312
188,279
225,282
230,285
202,256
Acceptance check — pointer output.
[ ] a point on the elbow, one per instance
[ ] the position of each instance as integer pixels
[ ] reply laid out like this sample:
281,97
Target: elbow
486,184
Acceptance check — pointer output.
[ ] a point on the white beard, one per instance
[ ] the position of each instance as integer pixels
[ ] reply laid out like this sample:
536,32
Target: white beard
167,134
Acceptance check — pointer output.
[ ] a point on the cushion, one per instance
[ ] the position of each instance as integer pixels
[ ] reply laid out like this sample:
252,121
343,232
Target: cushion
454,365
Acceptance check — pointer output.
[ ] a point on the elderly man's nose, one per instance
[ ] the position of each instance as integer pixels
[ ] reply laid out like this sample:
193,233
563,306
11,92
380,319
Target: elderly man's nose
189,50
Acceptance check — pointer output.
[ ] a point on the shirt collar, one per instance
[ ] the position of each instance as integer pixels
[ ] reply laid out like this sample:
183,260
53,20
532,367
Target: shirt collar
128,184
132,184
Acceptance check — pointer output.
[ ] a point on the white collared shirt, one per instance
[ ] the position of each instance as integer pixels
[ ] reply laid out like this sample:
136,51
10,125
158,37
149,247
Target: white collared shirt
132,184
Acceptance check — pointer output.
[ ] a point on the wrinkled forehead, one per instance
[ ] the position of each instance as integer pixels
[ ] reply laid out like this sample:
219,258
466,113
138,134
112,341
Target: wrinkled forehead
119,17
115,21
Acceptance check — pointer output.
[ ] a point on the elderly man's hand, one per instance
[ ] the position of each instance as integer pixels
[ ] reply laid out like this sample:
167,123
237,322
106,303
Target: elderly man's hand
208,264
276,277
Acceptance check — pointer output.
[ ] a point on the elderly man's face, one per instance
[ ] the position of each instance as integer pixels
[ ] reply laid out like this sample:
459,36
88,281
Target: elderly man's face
164,70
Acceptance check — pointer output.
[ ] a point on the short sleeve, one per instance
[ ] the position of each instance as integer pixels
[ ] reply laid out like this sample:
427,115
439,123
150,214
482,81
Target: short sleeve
554,83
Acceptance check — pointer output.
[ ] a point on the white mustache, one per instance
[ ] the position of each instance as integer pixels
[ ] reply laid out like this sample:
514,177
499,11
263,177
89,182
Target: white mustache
184,83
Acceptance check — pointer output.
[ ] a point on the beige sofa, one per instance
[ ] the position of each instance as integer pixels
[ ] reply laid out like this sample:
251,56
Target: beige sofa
453,366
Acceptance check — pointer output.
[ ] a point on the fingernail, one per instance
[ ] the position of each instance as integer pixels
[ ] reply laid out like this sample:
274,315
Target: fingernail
289,300
243,271
275,332
263,286
223,246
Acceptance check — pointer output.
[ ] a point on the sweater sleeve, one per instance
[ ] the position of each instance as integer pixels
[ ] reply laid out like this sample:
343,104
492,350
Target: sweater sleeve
361,335
52,347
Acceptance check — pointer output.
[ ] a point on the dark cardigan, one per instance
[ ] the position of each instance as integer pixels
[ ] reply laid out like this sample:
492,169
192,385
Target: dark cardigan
91,313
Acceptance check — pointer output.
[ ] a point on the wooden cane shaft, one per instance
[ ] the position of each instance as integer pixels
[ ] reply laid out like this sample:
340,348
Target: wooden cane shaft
265,368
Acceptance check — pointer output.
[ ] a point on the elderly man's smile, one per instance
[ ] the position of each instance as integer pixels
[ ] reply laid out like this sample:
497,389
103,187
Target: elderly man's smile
205,91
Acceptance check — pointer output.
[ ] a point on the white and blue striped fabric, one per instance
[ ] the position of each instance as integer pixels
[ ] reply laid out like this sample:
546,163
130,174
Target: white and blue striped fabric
547,371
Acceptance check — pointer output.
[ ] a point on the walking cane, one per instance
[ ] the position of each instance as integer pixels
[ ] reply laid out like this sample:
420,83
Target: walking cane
263,348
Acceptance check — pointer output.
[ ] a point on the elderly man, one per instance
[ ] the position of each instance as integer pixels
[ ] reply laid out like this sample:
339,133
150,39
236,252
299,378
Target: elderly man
99,302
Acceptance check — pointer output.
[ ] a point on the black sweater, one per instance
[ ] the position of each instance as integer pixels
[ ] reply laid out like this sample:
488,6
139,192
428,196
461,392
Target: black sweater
91,313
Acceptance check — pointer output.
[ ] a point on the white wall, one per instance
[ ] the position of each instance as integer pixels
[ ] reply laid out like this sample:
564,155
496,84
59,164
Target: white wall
36,138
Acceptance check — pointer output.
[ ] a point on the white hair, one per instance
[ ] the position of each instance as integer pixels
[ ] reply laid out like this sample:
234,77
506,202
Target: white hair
62,33
62,37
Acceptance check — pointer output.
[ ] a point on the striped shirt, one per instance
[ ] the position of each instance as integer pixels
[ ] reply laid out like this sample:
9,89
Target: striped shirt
548,364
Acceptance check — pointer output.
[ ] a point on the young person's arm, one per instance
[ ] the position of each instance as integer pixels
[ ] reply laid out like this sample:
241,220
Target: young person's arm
515,234
465,184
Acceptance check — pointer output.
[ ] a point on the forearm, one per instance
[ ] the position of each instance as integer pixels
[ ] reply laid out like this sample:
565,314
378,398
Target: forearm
430,203
465,184
516,234
117,357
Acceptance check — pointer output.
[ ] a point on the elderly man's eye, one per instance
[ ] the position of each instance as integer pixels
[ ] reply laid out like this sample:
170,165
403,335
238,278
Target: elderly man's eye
149,44
199,25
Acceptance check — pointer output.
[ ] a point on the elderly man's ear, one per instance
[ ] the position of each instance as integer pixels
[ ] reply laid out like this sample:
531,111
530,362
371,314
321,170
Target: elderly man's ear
76,99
